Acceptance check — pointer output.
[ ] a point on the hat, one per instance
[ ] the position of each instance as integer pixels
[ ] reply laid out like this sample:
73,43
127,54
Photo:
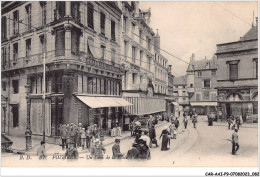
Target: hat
95,125
80,123
43,142
134,144
71,123
117,140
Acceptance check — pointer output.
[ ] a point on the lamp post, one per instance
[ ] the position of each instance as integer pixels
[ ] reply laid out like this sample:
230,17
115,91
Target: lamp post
28,132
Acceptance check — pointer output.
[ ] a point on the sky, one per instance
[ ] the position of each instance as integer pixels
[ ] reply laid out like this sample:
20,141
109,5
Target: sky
196,27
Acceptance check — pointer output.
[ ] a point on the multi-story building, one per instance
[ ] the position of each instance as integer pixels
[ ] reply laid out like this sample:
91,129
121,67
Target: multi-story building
137,49
180,94
81,41
237,76
201,85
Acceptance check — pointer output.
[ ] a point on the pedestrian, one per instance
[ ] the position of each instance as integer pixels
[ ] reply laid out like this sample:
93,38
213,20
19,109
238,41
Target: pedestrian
146,138
118,130
79,130
114,131
152,135
133,153
71,152
235,145
240,119
138,134
172,128
98,150
184,114
116,150
63,135
144,150
41,152
165,139
176,123
75,133
229,122
83,138
71,133
101,135
194,120
88,137
95,131
131,126
185,121
190,114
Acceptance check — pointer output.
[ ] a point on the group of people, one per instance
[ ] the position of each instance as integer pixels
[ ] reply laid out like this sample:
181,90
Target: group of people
234,121
79,137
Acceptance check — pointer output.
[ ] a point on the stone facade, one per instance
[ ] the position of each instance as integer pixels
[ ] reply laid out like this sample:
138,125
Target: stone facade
237,76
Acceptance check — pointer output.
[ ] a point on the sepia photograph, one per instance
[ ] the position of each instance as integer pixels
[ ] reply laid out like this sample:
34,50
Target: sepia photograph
129,84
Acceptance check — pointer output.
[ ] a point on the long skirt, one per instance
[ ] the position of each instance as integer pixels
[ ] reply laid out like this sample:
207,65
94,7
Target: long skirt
165,142
114,132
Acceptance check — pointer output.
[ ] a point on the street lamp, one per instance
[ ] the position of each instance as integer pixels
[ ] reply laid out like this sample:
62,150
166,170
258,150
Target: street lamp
28,132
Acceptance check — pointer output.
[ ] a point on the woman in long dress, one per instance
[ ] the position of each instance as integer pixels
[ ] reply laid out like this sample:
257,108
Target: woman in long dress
165,139
172,127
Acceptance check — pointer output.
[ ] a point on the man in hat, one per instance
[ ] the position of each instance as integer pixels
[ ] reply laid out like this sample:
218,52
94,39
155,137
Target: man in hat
144,150
133,153
63,135
98,150
235,145
71,152
152,135
41,152
95,131
116,150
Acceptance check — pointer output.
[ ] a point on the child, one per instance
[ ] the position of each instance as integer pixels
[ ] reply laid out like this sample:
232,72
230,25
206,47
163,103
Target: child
83,137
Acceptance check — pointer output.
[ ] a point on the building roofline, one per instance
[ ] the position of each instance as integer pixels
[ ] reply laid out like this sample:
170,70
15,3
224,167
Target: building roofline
236,42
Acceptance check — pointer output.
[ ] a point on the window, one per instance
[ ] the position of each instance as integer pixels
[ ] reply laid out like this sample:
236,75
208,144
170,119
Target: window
29,16
198,97
3,28
140,37
134,76
255,60
191,85
75,40
15,112
15,22
141,80
213,73
75,13
28,47
133,54
90,16
125,23
42,43
90,85
59,12
15,52
3,86
60,42
149,44
3,56
207,83
141,57
113,55
43,13
113,30
133,30
206,95
233,71
103,48
15,84
102,86
149,63
102,23
125,49
256,64
199,73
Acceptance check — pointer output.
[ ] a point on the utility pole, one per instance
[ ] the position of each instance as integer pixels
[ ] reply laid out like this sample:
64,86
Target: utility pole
43,89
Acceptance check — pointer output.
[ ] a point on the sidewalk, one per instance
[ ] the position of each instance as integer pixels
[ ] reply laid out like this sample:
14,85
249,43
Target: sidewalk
19,143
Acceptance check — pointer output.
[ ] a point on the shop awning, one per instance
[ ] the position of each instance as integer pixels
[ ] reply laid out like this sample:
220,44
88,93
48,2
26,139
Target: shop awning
204,103
175,103
102,102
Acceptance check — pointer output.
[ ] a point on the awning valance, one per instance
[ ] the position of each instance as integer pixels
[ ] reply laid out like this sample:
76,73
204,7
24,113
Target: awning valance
175,103
102,102
204,103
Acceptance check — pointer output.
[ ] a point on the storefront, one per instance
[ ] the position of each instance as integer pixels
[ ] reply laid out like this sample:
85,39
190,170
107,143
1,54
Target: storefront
105,111
204,107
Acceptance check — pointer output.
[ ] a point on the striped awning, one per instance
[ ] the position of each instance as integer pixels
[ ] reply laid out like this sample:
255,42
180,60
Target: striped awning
103,102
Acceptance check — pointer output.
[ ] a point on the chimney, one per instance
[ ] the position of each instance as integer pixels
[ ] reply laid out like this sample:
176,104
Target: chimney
192,57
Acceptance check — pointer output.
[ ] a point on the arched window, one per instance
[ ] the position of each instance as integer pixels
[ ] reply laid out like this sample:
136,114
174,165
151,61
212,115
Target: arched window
234,97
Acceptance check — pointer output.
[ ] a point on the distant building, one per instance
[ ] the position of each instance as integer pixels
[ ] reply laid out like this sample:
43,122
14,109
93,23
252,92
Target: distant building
170,99
202,83
237,76
180,93
137,50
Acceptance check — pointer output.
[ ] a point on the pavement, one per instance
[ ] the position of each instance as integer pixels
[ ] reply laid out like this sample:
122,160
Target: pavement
19,144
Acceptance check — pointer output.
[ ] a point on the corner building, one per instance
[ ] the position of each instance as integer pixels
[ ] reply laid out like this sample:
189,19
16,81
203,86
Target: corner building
83,74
